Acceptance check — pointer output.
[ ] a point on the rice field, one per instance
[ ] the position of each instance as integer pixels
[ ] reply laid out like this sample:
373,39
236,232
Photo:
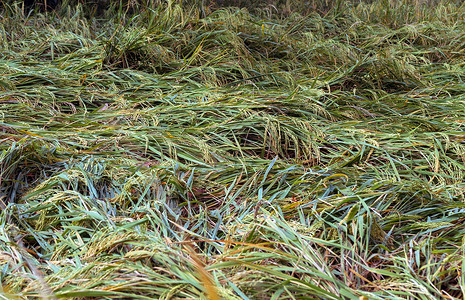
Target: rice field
191,150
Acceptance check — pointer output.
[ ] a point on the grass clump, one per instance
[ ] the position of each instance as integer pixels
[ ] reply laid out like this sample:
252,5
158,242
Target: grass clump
186,150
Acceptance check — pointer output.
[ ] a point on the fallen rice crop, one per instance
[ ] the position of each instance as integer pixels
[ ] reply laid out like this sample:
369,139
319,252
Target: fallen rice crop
175,149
